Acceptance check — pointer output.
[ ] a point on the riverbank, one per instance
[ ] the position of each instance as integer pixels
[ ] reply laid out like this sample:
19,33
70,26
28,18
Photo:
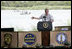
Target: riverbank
41,7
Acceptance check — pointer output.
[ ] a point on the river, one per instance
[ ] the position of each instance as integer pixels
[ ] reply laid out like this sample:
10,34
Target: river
20,20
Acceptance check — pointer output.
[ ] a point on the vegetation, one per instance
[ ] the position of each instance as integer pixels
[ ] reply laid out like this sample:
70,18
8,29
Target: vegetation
38,5
69,22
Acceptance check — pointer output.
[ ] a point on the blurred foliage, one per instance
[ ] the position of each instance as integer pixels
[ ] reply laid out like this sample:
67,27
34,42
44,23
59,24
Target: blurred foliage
35,4
69,22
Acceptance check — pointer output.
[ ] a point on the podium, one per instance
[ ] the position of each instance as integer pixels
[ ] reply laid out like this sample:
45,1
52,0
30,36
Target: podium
45,27
45,38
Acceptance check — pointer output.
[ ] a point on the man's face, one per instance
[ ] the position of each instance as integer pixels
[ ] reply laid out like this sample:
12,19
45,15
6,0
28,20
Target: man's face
46,11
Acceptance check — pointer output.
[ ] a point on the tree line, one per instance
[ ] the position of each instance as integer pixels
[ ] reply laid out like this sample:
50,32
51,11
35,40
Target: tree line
34,3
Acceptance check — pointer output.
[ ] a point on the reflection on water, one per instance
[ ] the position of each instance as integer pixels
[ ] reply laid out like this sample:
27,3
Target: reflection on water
21,19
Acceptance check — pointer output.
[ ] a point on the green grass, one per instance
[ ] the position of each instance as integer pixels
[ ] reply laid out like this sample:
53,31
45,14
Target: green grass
40,7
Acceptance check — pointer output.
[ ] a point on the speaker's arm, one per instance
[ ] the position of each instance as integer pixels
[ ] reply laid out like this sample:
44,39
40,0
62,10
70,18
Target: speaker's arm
35,18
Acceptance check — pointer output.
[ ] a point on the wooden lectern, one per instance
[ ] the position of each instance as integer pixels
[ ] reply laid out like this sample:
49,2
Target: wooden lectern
45,38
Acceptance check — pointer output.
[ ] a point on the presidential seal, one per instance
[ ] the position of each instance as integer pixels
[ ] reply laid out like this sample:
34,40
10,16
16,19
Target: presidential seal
45,25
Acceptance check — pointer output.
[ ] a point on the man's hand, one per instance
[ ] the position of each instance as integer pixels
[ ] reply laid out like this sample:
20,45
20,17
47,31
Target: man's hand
33,17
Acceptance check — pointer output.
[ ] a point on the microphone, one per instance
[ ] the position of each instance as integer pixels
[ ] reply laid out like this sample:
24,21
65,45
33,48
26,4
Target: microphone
44,18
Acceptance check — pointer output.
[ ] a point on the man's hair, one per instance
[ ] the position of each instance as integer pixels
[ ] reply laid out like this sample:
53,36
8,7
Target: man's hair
46,9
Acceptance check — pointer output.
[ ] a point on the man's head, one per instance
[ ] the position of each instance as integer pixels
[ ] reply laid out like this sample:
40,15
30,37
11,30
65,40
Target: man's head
46,11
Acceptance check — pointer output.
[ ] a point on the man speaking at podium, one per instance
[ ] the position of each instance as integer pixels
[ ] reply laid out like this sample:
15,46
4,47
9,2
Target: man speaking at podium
45,34
48,16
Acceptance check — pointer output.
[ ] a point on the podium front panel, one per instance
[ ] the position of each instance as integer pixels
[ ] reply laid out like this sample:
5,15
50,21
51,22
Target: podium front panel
57,38
13,38
31,38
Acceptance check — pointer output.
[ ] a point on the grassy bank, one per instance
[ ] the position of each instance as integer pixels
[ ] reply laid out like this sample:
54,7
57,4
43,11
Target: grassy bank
41,7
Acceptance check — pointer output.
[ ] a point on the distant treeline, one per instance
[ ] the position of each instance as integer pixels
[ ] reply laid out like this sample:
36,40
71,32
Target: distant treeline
34,3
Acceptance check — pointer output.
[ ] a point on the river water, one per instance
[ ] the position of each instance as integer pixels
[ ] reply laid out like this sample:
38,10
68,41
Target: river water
20,19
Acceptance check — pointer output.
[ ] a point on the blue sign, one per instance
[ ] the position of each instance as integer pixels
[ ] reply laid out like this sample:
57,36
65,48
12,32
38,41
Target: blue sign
30,39
64,29
61,38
